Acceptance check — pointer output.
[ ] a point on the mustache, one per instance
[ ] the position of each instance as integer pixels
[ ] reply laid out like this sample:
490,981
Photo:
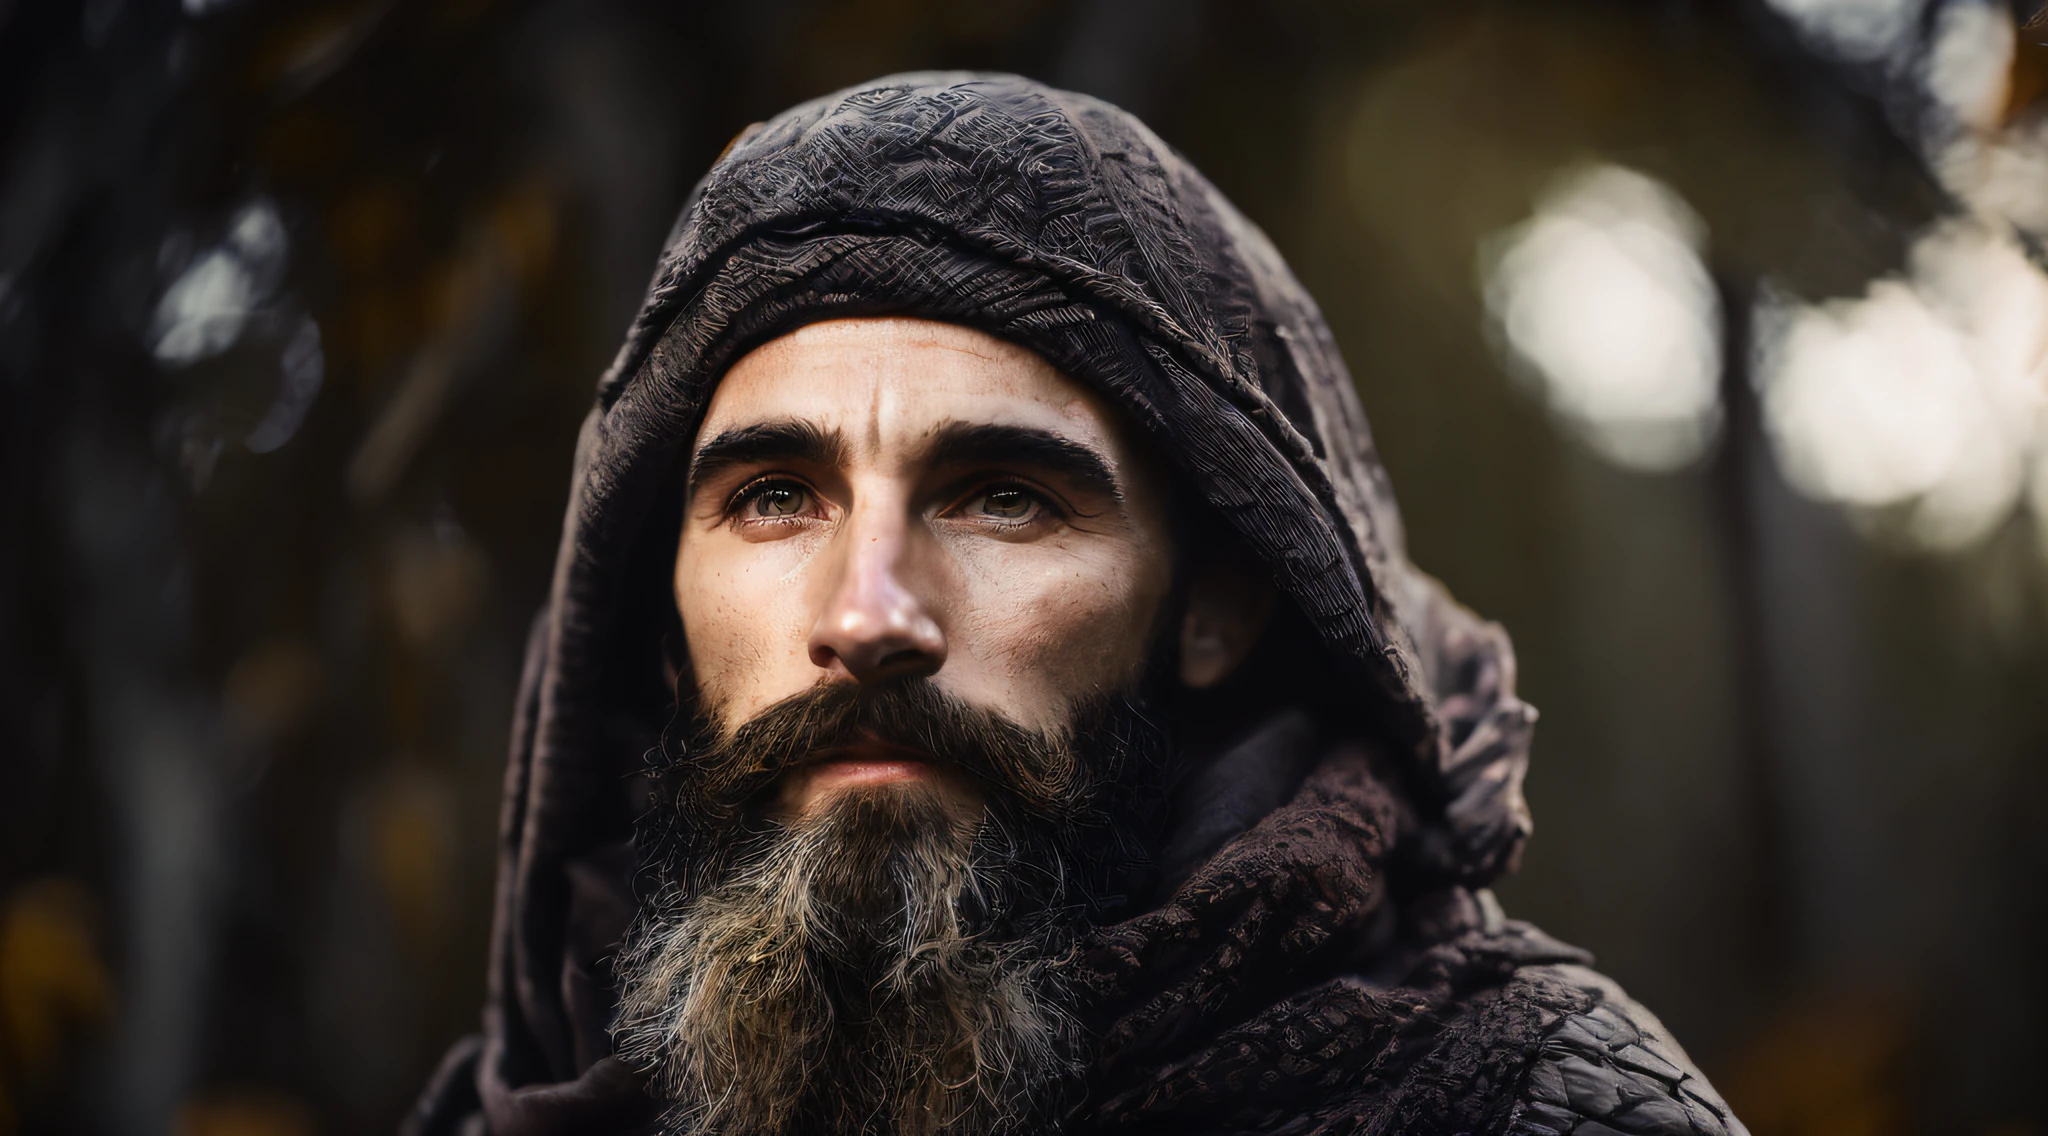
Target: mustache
713,778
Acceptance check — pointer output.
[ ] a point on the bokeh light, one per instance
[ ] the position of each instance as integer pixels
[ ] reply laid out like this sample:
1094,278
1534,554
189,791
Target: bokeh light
1965,70
1604,304
1925,393
1919,403
1863,30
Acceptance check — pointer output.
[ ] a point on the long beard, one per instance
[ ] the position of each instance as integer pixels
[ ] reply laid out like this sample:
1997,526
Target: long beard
879,966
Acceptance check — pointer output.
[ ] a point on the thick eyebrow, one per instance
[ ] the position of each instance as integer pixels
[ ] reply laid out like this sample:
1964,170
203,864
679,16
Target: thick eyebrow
985,444
761,443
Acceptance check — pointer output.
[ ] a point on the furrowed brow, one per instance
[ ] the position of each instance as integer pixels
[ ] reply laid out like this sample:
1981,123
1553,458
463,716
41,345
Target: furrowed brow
985,444
762,443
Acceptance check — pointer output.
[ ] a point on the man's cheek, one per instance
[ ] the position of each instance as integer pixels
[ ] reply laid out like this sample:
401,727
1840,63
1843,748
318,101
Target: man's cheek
744,623
1072,626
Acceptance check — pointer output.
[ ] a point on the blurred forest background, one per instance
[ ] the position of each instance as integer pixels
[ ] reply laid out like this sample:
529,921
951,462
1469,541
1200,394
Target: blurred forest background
1707,342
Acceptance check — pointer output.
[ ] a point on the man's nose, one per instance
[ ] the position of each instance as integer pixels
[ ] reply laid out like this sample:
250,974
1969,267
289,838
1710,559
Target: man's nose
874,624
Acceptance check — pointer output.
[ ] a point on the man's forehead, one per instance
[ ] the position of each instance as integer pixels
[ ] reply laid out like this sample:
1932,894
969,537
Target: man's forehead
892,381
905,333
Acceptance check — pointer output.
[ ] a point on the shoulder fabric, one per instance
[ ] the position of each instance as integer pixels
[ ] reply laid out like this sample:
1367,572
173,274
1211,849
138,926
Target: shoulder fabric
1613,1069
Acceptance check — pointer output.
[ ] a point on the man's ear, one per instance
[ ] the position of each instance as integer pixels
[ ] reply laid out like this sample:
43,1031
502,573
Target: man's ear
1230,602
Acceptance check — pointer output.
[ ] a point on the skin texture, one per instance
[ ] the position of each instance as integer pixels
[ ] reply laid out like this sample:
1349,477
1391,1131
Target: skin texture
872,498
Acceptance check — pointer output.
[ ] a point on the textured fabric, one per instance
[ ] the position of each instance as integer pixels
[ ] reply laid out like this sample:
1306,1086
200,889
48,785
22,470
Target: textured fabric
1319,954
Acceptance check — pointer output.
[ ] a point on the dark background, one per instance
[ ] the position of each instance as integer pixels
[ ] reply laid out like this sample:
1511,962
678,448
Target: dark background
253,705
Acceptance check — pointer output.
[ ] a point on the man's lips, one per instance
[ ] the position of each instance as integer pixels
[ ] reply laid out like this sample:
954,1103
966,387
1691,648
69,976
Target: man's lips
847,774
863,763
870,763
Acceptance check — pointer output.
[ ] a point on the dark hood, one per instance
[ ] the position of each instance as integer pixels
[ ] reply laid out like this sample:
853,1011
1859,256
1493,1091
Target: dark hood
1063,224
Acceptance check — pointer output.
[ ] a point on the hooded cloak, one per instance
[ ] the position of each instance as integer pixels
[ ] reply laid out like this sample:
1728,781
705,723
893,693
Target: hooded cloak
1317,951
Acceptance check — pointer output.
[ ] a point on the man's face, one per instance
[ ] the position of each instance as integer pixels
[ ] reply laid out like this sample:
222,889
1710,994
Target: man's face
920,576
871,499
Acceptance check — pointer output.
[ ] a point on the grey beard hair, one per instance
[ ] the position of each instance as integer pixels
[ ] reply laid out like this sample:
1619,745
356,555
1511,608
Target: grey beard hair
831,982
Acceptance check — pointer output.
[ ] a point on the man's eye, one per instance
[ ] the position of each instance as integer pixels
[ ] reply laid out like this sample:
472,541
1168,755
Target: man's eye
1007,503
776,499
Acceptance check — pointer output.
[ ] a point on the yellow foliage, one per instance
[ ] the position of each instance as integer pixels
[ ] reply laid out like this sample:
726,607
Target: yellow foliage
52,984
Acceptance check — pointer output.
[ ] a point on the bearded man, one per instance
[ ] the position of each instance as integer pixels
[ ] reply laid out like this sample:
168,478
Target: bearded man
983,691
